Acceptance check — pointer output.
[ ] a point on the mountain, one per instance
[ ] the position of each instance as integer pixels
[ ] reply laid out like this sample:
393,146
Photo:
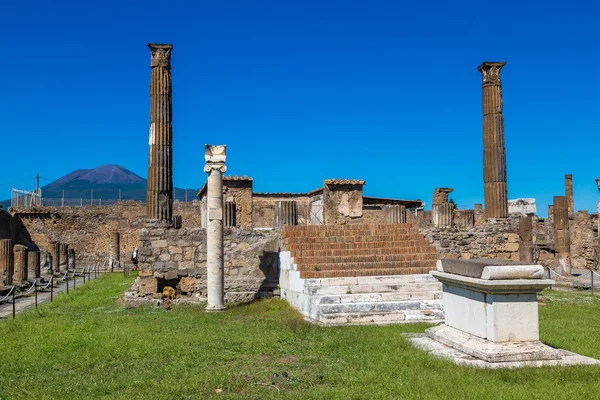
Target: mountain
108,183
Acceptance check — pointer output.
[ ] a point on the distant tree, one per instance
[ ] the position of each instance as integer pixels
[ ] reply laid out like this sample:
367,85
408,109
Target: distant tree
451,201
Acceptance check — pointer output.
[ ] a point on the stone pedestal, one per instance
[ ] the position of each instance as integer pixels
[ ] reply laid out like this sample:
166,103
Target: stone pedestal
491,316
215,167
494,153
20,262
64,255
6,262
115,250
34,264
480,219
71,260
159,204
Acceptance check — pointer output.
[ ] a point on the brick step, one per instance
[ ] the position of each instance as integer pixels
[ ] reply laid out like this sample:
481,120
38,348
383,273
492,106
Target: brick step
354,232
337,228
353,239
417,254
304,274
301,247
367,265
376,288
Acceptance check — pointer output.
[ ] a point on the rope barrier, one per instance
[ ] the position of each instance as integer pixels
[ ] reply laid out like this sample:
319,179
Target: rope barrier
12,289
28,290
49,283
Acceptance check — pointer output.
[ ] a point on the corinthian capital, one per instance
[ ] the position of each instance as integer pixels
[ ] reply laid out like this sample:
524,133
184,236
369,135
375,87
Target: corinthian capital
160,55
490,72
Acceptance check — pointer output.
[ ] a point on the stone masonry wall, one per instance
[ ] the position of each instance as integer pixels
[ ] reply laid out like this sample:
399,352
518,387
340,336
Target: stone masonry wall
177,258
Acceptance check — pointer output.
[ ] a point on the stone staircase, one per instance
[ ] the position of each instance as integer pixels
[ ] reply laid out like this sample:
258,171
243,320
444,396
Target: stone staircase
371,273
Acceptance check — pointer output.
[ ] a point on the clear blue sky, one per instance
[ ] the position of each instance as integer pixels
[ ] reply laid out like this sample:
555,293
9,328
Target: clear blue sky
300,91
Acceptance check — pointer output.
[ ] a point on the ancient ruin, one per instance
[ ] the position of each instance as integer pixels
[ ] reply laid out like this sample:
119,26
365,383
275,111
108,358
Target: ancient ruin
494,154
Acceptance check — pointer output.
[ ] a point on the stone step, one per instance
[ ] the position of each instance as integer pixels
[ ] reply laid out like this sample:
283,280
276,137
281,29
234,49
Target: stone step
378,297
370,280
347,266
380,306
366,272
305,230
374,288
433,316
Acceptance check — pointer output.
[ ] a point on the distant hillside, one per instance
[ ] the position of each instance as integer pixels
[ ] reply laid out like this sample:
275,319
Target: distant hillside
108,182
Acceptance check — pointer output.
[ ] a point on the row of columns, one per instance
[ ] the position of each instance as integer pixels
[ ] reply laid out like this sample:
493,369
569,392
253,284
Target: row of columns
17,263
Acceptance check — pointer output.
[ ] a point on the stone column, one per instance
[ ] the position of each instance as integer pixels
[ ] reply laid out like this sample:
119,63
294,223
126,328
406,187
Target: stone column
55,257
71,259
442,215
286,213
440,195
561,235
569,192
159,198
64,255
115,250
394,214
230,214
525,239
494,155
215,280
20,262
34,264
6,262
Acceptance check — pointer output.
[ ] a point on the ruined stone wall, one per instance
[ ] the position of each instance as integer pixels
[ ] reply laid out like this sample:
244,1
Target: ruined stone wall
87,229
242,196
583,239
342,203
496,239
177,258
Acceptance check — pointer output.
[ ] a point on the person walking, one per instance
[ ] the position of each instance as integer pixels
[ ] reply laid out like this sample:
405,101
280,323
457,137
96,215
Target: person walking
134,259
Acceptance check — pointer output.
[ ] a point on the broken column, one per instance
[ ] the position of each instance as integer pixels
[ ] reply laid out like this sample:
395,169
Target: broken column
215,281
525,239
561,235
494,155
286,213
34,264
55,257
6,261
64,253
569,192
394,214
440,195
479,215
115,250
442,215
20,263
159,198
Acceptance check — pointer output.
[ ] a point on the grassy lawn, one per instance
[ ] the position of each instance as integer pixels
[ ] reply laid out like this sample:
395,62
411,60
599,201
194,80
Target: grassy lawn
85,345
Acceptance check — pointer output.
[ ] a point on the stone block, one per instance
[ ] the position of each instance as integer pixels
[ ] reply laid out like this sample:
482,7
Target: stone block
159,244
189,284
148,286
513,238
171,274
145,272
512,247
175,250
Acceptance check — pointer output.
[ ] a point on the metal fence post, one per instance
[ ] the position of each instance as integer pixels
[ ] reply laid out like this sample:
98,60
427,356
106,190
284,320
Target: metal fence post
52,289
35,288
67,281
592,273
13,301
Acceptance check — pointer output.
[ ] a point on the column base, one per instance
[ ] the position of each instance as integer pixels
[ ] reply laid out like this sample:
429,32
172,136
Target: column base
215,308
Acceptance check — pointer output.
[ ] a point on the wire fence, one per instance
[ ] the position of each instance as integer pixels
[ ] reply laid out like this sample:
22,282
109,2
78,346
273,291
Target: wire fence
68,278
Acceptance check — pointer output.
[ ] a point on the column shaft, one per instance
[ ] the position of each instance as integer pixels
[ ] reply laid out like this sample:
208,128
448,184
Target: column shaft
55,256
525,239
20,262
115,250
561,235
34,264
569,192
214,236
6,262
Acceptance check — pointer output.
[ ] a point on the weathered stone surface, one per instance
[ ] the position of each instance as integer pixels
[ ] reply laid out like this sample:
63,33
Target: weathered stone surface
6,261
189,284
148,286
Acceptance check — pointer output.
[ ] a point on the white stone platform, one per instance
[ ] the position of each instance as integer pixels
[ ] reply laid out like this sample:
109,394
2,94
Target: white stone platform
438,349
361,300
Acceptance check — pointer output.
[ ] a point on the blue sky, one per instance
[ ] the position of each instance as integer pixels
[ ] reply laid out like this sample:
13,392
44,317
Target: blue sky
386,91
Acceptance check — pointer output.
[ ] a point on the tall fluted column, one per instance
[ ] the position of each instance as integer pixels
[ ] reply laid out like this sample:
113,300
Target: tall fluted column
55,257
494,155
20,262
525,239
6,261
215,274
34,264
159,198
569,192
115,250
562,246
394,214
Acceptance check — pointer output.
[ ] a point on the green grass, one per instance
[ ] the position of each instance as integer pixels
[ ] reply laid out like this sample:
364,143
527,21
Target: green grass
86,346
